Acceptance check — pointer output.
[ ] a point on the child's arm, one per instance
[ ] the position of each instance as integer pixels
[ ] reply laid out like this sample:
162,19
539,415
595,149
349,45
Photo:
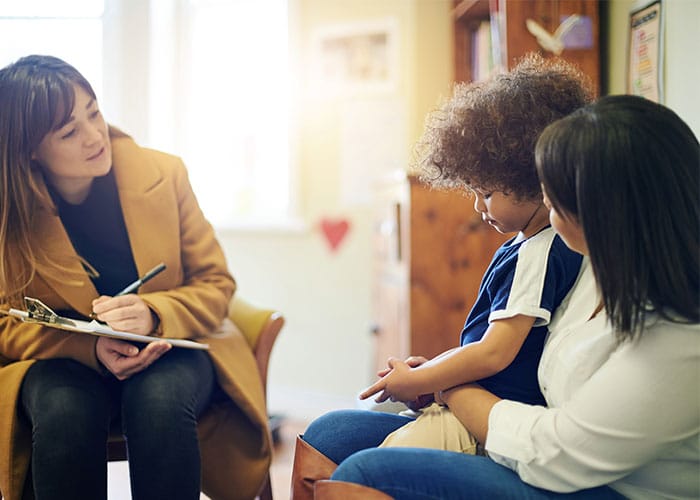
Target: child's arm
494,352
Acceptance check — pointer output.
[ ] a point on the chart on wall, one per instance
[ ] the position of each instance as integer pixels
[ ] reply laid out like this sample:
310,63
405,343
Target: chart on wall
645,57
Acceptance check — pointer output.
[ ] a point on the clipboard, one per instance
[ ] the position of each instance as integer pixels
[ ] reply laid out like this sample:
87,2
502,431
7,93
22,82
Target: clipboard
38,312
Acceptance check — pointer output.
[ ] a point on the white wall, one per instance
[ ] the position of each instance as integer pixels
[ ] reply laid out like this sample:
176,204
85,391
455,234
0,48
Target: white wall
682,56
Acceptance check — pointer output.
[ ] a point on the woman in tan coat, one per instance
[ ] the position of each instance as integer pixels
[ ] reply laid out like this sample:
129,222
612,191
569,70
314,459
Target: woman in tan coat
84,211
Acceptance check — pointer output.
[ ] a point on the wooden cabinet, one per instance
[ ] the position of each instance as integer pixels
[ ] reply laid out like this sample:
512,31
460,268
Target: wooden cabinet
430,251
512,39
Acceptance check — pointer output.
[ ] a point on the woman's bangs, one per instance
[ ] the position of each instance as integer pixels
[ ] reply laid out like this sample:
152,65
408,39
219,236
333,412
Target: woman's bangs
61,96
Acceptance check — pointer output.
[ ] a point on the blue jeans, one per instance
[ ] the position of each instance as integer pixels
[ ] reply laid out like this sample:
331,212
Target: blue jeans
350,438
70,408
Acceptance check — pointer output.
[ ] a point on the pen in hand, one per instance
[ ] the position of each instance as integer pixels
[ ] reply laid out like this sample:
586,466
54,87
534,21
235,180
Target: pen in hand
150,274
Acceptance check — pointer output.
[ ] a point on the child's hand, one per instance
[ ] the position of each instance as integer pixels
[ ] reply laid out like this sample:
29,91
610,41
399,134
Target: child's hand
411,361
395,385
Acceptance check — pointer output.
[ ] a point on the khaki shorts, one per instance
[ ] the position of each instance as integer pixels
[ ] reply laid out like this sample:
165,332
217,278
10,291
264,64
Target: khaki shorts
437,428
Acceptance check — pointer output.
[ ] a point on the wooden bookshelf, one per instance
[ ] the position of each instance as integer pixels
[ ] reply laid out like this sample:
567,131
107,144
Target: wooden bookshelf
508,18
468,15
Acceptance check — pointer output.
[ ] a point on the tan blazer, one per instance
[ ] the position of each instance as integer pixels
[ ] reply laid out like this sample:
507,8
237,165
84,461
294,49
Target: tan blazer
165,224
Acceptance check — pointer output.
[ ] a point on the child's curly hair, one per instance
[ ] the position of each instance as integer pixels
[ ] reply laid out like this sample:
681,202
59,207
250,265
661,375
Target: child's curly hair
484,136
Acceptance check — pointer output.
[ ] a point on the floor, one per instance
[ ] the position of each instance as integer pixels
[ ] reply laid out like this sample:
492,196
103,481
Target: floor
280,472
283,458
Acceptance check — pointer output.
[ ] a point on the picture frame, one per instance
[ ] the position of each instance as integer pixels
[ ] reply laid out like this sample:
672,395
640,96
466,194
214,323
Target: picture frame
356,58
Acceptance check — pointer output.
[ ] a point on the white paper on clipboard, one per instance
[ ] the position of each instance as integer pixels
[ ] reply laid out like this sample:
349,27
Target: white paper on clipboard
47,317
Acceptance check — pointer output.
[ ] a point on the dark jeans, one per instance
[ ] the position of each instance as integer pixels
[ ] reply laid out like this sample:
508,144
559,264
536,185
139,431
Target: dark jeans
350,438
70,408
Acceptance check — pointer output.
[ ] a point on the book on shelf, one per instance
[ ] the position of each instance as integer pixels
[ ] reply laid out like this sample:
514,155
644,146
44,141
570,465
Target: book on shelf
482,52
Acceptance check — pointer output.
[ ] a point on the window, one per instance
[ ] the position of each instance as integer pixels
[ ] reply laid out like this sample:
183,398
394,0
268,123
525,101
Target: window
213,75
237,123
69,30
228,83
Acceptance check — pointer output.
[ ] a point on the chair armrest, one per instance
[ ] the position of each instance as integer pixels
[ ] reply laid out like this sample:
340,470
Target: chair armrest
260,326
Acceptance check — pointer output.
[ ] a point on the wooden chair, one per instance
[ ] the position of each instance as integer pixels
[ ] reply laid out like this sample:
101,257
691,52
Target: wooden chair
260,326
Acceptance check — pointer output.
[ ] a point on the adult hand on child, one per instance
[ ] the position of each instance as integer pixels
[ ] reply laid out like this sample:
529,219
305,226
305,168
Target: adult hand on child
420,402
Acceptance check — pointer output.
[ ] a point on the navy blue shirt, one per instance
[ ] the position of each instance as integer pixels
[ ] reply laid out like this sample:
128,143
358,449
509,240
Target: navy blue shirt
530,277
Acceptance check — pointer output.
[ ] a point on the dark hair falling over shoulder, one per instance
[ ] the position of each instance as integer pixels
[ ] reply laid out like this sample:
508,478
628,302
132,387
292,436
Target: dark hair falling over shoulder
628,170
37,95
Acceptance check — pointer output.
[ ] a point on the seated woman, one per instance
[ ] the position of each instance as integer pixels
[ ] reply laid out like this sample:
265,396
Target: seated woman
620,370
85,211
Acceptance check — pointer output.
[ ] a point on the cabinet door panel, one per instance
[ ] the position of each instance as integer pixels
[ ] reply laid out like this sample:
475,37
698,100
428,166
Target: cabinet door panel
391,317
390,306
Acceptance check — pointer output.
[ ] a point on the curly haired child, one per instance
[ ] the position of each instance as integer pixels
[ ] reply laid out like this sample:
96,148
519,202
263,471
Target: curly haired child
482,140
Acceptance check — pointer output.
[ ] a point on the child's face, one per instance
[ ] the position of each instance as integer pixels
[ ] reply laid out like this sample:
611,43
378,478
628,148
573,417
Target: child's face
568,228
505,212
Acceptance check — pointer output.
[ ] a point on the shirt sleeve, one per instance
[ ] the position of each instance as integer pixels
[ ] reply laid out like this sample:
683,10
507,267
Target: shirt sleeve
535,279
612,425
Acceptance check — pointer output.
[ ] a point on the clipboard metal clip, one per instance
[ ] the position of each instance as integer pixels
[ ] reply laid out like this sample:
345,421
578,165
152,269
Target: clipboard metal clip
38,311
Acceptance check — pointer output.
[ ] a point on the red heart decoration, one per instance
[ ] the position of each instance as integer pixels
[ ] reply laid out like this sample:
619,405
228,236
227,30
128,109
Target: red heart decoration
334,231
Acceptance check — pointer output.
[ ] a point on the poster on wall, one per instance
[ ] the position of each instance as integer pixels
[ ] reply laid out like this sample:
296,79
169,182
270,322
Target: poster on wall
645,56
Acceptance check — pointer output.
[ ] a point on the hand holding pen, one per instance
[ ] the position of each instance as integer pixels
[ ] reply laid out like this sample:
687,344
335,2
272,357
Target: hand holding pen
126,311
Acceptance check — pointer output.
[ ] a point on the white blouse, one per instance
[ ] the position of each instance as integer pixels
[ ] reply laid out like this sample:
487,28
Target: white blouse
626,415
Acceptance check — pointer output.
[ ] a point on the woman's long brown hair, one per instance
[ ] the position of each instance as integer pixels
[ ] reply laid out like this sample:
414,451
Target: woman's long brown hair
37,94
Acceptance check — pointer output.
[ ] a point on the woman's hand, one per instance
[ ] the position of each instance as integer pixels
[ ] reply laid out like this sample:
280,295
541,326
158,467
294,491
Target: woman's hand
126,313
420,402
123,359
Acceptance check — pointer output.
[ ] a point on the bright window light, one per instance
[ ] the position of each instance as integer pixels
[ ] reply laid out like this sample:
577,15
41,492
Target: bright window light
235,118
71,30
218,87
52,8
